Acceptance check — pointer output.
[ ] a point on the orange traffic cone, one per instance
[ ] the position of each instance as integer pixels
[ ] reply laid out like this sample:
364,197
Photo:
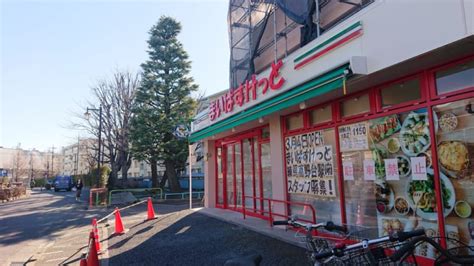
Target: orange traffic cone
93,257
119,229
151,212
96,234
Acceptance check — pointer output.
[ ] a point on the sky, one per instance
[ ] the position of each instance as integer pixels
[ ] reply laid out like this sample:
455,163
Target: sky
53,52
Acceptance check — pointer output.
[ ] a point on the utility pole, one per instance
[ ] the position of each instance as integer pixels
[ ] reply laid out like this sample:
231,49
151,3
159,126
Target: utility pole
52,160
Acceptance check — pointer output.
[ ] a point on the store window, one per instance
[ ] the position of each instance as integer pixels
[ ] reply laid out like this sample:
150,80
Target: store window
355,106
385,161
455,149
456,78
294,122
321,115
403,92
311,171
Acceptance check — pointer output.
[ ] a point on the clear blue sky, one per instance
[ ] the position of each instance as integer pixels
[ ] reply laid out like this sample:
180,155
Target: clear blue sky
52,52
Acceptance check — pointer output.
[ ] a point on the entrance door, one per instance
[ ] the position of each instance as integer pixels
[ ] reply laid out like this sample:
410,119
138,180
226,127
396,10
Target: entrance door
242,173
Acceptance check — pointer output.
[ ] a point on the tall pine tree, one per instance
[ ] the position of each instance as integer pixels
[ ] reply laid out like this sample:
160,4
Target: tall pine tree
162,102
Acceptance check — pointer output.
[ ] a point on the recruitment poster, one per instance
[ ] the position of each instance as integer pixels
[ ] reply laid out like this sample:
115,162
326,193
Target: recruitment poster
309,165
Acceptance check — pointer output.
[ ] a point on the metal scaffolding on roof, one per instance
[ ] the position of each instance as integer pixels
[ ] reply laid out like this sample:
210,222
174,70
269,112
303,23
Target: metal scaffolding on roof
263,31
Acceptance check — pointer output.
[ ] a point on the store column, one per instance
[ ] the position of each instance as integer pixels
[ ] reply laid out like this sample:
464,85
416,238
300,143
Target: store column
209,174
277,160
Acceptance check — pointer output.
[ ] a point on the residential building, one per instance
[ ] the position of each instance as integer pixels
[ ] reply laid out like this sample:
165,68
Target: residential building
20,165
80,157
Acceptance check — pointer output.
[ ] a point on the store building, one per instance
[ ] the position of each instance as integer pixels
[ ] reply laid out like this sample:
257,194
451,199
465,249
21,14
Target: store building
378,106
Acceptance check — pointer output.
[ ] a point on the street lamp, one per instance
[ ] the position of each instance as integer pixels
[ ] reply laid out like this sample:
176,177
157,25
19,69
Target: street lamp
87,114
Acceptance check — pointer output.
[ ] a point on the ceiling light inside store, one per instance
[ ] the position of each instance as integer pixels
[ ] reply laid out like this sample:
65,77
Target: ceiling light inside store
260,120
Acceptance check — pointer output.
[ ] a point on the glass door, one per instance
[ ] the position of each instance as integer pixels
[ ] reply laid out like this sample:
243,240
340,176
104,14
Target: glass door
243,173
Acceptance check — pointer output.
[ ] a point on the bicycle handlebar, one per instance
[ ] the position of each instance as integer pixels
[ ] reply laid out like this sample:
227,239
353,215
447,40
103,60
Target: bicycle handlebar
280,222
410,247
330,226
402,236
334,227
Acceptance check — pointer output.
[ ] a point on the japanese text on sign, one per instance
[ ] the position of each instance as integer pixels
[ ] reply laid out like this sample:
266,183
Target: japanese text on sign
418,168
369,170
391,169
246,92
348,170
309,165
354,137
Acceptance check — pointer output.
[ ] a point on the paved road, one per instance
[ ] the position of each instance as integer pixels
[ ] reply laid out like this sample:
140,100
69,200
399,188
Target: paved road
30,226
190,238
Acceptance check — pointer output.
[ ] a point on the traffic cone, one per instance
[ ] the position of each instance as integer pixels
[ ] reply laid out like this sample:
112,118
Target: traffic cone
151,212
96,234
93,257
119,229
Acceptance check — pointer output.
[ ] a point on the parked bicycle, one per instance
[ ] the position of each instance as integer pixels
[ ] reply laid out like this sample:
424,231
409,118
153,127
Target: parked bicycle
462,254
372,252
315,244
331,251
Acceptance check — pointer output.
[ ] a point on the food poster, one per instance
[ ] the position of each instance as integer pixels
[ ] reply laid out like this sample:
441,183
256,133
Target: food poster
455,149
400,137
310,165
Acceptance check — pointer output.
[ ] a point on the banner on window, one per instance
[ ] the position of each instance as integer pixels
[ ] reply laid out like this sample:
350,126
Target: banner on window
309,165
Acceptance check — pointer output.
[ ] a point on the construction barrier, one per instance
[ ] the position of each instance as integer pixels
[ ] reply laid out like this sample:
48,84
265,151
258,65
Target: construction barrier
139,192
92,256
96,234
100,196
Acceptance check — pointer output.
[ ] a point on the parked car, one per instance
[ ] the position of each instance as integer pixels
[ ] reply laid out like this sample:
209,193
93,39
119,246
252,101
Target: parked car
63,183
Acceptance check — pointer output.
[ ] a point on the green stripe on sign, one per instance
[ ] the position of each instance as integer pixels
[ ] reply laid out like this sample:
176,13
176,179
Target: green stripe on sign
328,41
311,89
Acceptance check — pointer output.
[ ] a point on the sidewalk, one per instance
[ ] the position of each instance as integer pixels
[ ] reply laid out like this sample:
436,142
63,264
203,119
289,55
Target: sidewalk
189,237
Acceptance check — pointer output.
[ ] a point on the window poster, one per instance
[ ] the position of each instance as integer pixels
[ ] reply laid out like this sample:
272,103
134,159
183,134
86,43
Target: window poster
309,165
391,169
348,170
354,137
369,170
418,168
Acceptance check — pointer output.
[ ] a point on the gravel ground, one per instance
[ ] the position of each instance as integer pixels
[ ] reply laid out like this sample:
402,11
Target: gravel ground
190,238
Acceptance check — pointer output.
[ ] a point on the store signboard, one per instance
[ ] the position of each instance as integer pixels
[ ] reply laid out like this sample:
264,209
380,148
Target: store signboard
354,137
247,92
3,172
309,165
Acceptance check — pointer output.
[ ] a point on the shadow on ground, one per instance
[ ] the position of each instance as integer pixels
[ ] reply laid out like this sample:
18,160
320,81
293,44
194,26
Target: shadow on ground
190,238
34,218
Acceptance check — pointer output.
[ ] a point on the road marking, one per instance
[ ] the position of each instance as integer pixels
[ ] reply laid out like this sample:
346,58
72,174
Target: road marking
57,259
53,252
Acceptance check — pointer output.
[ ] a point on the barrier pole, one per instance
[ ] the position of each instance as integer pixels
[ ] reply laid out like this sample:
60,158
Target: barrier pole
190,178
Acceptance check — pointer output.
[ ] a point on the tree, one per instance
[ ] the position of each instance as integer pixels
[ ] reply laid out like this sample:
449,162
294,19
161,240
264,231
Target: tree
116,97
163,101
19,164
